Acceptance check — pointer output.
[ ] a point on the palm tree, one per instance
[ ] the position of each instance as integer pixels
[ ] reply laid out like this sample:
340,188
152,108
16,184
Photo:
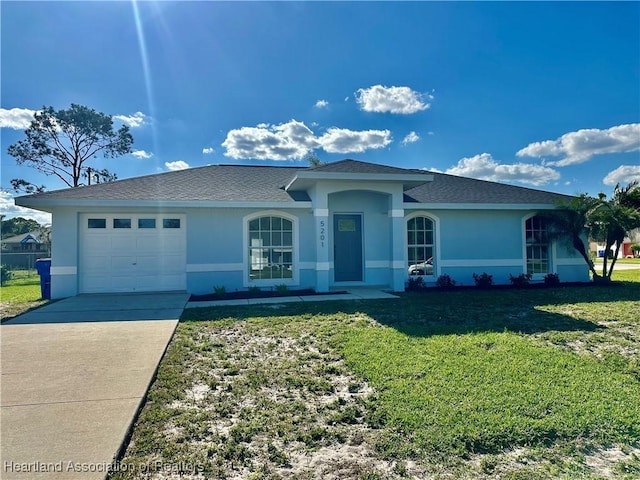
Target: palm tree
607,221
569,222
612,220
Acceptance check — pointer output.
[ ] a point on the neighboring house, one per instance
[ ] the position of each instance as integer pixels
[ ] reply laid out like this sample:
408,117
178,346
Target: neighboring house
30,242
343,224
22,251
625,249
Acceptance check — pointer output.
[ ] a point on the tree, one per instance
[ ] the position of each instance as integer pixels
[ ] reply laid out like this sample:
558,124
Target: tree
314,161
607,221
569,222
18,226
62,142
612,220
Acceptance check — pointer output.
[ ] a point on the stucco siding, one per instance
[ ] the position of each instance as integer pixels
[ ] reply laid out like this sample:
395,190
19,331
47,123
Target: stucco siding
480,235
64,253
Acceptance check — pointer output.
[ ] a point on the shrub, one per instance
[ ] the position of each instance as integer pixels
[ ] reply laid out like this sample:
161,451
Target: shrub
521,280
445,281
282,289
5,274
552,279
220,291
254,290
415,283
483,280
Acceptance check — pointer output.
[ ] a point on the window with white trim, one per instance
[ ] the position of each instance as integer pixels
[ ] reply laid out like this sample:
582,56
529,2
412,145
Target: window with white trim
421,246
270,248
537,245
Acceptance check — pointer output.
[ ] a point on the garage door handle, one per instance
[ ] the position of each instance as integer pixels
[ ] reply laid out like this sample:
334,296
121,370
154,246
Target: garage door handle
134,263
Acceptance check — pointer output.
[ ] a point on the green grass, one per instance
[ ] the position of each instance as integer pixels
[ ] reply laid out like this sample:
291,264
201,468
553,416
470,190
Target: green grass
457,384
19,295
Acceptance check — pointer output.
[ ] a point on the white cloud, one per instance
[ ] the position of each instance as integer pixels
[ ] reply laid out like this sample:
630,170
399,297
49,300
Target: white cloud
624,174
580,146
410,138
134,121
177,165
287,141
322,104
141,154
16,118
294,140
207,150
11,210
342,140
381,99
484,167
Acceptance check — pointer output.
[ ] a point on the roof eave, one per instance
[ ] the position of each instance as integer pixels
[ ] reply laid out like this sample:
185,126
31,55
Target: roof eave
478,206
49,204
304,179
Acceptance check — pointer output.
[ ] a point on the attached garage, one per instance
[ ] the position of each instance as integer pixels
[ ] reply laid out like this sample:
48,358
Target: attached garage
132,253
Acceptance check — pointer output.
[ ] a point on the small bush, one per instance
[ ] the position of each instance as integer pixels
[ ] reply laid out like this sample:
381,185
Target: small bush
282,289
521,280
445,281
415,284
552,279
483,280
254,290
5,274
220,291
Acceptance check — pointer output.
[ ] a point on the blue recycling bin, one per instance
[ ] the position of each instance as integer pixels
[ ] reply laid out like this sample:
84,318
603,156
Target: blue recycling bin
43,266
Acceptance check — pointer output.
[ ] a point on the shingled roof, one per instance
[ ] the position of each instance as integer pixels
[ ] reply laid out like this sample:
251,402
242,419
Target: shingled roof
244,183
458,190
224,183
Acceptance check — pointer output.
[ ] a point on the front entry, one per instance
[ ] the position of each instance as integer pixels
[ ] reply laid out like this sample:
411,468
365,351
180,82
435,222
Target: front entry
347,247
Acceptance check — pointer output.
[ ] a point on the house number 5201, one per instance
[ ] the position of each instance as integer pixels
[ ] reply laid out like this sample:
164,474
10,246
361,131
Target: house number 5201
323,232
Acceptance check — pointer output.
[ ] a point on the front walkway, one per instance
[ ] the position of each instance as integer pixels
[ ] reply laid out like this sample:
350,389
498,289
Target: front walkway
74,374
361,293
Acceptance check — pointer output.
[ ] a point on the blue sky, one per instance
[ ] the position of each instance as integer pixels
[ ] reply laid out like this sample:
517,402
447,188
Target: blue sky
543,95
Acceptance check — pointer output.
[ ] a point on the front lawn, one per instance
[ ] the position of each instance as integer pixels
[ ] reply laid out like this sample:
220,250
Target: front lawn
456,384
20,295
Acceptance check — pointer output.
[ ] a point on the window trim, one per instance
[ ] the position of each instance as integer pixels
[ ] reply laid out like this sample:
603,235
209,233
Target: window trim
551,268
436,241
246,267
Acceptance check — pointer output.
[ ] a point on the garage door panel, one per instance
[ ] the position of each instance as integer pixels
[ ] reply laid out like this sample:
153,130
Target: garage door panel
98,243
172,263
97,264
123,283
172,244
123,243
125,263
131,259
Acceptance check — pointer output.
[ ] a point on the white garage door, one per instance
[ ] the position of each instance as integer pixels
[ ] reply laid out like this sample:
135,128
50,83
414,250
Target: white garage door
132,253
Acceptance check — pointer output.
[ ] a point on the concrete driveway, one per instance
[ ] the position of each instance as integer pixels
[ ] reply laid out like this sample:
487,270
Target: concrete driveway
74,374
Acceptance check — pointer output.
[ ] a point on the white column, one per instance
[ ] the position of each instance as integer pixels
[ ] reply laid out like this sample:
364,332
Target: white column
398,247
321,217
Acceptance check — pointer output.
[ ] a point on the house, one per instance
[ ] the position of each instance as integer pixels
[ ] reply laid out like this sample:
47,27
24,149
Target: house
21,251
625,250
343,224
25,242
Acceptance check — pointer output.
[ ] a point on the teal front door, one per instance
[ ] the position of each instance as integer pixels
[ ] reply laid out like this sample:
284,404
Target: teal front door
347,247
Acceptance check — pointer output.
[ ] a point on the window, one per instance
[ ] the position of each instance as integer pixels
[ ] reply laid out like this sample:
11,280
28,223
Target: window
270,248
421,245
121,223
170,223
537,246
146,223
97,223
